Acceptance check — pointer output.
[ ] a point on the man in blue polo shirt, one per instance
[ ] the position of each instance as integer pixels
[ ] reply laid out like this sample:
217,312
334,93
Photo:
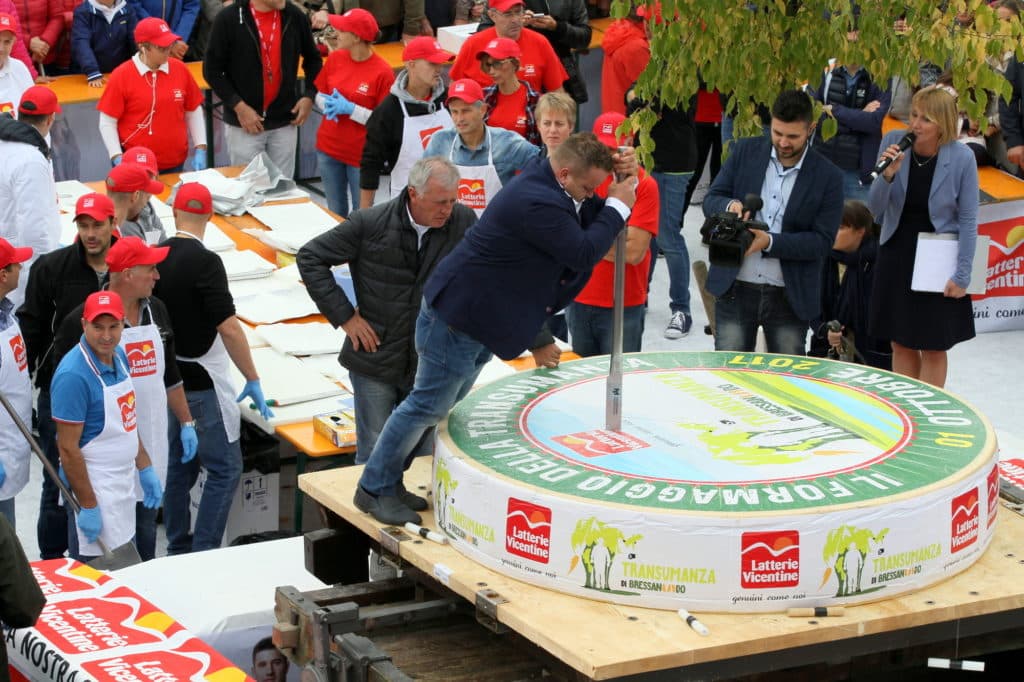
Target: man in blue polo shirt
93,406
487,158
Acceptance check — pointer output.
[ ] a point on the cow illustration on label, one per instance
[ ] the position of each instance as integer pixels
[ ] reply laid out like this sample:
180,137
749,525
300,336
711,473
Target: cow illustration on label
595,545
444,486
845,553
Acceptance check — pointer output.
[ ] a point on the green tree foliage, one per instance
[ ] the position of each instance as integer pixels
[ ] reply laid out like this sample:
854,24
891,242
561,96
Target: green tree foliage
755,50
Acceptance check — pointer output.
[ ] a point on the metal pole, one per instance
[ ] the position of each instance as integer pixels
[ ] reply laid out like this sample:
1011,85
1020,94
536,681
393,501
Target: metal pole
613,394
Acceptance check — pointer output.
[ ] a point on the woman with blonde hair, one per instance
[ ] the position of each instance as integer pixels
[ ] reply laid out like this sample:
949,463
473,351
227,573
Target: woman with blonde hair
932,187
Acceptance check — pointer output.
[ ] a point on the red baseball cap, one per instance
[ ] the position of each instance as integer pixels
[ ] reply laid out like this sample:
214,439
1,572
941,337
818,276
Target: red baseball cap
144,156
13,254
193,197
96,206
605,126
103,303
358,22
425,47
132,177
8,22
504,5
501,48
127,252
39,101
155,31
466,89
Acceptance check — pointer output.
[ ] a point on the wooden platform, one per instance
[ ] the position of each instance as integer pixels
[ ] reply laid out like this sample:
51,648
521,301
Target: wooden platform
605,641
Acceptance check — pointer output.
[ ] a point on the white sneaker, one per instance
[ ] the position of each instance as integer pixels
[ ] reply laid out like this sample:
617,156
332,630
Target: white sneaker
679,325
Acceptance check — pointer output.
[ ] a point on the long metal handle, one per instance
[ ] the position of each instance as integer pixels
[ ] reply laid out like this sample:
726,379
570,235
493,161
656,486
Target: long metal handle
613,394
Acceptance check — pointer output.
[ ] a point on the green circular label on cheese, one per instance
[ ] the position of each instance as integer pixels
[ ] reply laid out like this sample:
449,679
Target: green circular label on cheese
720,432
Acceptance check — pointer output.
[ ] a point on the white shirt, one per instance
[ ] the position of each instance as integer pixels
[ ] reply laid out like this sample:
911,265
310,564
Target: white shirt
775,190
14,81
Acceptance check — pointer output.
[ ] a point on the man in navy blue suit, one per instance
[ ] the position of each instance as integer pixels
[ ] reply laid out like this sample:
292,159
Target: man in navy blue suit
526,258
778,286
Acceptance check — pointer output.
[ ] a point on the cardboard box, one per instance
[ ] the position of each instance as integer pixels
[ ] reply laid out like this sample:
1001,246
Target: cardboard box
338,427
452,37
255,507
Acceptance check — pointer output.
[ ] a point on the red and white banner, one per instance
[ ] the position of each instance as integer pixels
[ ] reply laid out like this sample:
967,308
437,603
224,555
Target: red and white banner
95,628
1002,306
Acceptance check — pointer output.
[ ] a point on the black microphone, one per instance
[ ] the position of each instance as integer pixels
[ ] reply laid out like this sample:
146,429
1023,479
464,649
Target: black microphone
752,203
905,143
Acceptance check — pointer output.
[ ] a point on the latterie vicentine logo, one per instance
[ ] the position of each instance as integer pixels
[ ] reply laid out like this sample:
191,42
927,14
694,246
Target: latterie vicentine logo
964,532
428,133
472,193
141,358
528,530
770,559
18,349
600,442
127,404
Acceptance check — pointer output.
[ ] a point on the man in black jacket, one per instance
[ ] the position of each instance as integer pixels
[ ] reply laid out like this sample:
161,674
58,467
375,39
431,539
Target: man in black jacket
391,249
252,64
58,282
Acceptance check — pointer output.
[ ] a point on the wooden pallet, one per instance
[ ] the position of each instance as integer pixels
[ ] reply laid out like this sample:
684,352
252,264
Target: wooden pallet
605,641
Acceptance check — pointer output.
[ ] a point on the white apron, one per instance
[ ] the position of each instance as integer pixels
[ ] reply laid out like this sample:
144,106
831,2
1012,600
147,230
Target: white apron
217,364
110,462
478,184
17,387
416,132
146,364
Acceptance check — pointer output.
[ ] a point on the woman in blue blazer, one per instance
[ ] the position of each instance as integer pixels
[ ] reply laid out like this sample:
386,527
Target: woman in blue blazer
933,187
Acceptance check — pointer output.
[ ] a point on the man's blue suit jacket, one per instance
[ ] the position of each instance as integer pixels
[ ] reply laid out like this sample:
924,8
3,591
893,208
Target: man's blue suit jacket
809,224
524,260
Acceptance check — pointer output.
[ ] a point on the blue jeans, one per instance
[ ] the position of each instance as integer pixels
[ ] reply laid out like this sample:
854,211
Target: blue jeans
223,463
145,531
591,328
449,363
7,509
745,307
340,181
672,193
375,400
852,187
52,525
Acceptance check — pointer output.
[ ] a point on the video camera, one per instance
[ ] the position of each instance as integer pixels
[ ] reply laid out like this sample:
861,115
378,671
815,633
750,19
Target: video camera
728,236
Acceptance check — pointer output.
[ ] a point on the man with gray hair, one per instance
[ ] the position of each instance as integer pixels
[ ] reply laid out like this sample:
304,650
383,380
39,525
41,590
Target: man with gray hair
391,249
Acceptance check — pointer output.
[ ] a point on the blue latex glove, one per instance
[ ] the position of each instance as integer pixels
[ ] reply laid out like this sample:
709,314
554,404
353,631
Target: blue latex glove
3,474
90,523
199,160
151,490
189,443
116,160
254,391
335,105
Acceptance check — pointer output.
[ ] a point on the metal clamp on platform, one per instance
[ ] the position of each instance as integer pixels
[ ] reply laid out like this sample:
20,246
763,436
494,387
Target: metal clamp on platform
487,602
391,537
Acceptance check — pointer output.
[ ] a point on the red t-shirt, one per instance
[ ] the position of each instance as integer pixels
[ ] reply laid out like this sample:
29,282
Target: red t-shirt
268,34
539,65
510,112
599,291
128,97
364,83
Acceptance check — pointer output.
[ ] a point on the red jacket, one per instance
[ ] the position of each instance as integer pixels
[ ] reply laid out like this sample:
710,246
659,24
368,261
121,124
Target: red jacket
20,49
49,20
626,53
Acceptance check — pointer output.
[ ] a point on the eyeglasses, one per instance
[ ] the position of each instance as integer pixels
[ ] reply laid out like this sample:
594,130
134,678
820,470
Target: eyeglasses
490,64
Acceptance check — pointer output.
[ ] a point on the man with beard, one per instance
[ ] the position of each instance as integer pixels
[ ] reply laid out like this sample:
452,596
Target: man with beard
779,283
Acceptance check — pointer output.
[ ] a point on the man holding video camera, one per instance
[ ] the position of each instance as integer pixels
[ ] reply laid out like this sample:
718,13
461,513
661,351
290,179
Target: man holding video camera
785,201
